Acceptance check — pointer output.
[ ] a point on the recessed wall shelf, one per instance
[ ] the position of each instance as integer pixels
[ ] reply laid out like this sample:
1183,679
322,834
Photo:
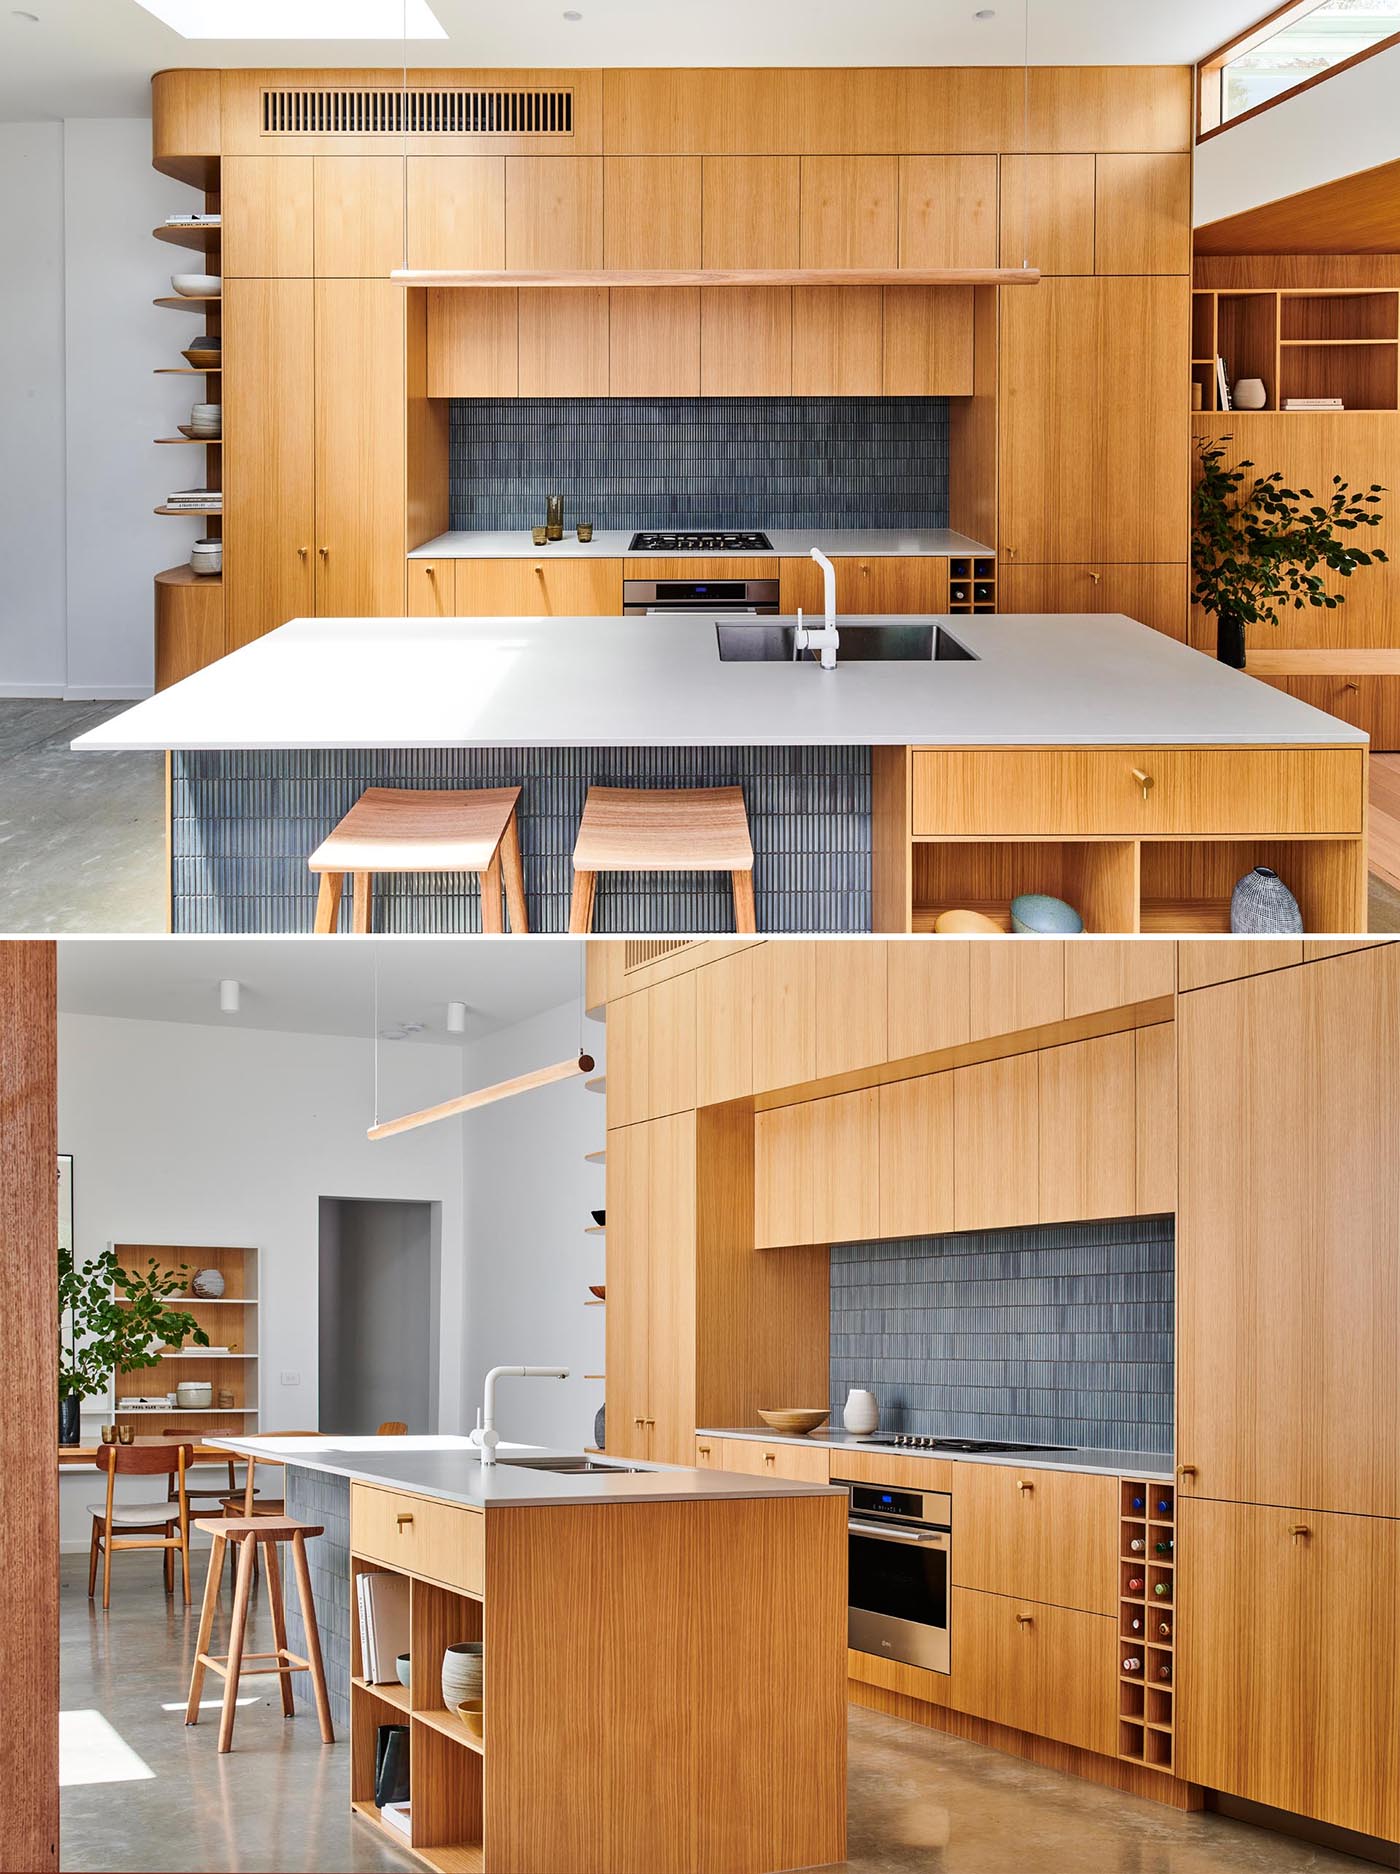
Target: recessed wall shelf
652,277
1300,342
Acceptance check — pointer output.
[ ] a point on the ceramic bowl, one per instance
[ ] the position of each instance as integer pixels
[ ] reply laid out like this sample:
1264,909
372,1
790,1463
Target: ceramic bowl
965,921
795,1420
1036,913
196,285
471,1712
600,1217
207,556
463,1673
195,1394
401,1667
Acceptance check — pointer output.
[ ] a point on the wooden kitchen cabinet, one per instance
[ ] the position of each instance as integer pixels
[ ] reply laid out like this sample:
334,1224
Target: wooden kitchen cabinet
1050,1535
928,341
651,1051
806,1464
554,212
929,997
360,395
564,343
654,342
1047,213
849,211
1201,963
894,583
1038,1668
424,1536
724,1008
916,1157
1013,986
1288,1299
572,588
837,341
267,227
1154,595
947,211
651,212
269,398
1288,1686
473,342
1156,1119
359,210
457,212
628,1315
1142,214
752,211
745,341
817,1171
784,1015
1069,431
1111,974
431,588
1088,1129
709,1453
996,1130
851,993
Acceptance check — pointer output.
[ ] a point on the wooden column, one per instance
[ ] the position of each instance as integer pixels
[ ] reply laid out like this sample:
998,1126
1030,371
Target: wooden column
29,1423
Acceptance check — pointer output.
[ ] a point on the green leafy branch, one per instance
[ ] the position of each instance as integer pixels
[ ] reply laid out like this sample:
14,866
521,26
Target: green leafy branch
118,1319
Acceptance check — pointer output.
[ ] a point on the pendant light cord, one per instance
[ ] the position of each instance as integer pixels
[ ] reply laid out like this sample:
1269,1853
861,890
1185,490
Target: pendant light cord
1025,132
374,952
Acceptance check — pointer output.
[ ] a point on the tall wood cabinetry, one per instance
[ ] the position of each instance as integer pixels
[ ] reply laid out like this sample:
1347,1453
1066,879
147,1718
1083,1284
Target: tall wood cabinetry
1288,1399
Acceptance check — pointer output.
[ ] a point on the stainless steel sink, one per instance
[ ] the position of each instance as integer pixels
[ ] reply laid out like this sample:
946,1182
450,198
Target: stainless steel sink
568,1467
763,643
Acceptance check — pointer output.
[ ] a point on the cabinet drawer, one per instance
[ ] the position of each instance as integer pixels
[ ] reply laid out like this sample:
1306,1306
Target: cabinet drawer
1367,702
803,1464
1050,1535
420,1535
1023,792
709,1454
897,583
536,588
1047,1670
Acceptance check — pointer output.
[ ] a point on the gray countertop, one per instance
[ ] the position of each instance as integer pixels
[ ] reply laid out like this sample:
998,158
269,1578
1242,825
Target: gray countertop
932,543
450,1468
1036,680
1154,1467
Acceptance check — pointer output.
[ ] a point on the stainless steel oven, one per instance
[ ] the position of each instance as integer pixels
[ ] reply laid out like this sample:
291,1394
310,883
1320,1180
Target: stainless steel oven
900,1574
643,596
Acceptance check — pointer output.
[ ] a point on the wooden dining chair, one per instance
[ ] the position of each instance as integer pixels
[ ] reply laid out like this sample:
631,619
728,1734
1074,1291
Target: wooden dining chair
392,1428
164,1526
202,1501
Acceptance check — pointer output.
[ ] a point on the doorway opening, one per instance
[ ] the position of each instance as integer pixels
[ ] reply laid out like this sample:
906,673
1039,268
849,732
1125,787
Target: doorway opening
379,1291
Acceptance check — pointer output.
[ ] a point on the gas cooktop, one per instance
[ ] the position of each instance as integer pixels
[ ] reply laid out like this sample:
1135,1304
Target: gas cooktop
709,542
915,1441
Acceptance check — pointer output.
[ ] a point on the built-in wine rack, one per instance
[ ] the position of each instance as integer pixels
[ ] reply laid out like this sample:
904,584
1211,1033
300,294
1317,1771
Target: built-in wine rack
1146,1622
972,585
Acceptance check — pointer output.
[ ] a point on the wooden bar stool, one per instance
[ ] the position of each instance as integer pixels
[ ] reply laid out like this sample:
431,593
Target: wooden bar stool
410,829
246,1502
647,829
245,1533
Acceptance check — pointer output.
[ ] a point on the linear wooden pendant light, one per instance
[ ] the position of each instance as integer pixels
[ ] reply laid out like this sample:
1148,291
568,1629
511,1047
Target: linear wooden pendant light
483,1096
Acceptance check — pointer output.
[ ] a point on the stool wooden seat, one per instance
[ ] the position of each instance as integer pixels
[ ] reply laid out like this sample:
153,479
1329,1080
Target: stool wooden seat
410,829
245,1533
646,829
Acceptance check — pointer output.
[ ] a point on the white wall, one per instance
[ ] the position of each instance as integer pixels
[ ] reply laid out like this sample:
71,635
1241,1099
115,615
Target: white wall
185,1134
1348,124
79,468
528,1194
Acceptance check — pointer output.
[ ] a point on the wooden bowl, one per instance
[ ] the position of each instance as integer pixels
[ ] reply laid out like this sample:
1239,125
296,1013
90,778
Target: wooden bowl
600,1289
202,355
796,1420
472,1713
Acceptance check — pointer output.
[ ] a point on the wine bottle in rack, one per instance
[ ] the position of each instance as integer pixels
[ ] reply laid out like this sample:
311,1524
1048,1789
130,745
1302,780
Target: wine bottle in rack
1135,1584
1132,1663
1161,1587
1135,1624
1164,1671
1137,1546
1164,1506
1137,1503
1164,1629
1165,1547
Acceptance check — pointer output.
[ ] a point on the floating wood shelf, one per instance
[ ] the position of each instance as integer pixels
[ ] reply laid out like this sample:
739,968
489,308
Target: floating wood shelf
187,370
199,239
166,510
595,1158
187,576
598,1084
594,1229
720,276
203,442
189,301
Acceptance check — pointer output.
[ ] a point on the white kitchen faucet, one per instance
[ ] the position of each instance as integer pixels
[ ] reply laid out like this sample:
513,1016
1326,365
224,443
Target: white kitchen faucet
485,1433
828,639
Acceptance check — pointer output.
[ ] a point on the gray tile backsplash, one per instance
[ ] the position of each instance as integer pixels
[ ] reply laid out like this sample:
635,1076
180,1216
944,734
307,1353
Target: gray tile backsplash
1058,1334
664,462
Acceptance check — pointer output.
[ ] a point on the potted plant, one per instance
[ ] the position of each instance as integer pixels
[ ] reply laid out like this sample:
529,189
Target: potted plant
1255,551
117,1321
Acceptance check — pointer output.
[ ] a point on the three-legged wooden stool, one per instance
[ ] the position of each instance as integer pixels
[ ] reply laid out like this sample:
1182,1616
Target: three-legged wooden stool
246,1532
647,829
410,829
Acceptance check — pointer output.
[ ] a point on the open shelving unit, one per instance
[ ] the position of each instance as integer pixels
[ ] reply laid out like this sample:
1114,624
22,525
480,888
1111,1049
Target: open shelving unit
1146,1622
1301,342
972,586
447,1762
231,1320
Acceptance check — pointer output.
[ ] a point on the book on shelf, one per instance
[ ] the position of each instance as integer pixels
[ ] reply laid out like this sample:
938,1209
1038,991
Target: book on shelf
1313,403
195,220
1222,384
195,498
383,1610
399,1816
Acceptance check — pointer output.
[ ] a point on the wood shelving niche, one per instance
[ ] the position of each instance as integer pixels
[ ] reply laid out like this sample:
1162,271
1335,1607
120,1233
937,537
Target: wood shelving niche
230,1320
1316,342
1147,1623
972,586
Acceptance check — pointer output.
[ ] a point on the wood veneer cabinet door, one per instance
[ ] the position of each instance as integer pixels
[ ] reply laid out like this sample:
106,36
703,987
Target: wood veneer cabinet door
1053,1532
1156,1119
651,1051
1088,1129
724,1029
431,588
928,341
745,341
1090,370
267,231
671,1295
539,589
1043,1669
1154,595
752,211
784,1014
360,376
654,342
1288,1689
1288,1284
473,342
651,212
916,1156
851,991
554,212
457,212
996,1119
868,582
628,1314
1199,964
928,1004
359,216
1142,219
1047,213
1013,986
269,452
564,343
816,1171
1110,974
947,211
849,211
837,341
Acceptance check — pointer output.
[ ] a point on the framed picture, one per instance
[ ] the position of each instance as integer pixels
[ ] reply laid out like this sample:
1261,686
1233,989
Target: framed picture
65,1201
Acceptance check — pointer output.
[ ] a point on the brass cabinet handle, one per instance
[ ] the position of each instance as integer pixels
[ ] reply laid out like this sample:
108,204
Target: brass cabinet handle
1096,577
403,1517
1024,1485
865,570
768,1458
431,571
704,1450
1298,1531
324,552
301,553
540,571
1143,779
1351,686
1186,1470
1025,1620
648,1421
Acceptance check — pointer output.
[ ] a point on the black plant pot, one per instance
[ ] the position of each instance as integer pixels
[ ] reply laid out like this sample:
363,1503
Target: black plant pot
70,1418
1229,640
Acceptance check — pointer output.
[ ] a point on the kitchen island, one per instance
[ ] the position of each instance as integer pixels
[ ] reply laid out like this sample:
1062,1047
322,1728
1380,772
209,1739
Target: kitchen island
1079,754
665,1648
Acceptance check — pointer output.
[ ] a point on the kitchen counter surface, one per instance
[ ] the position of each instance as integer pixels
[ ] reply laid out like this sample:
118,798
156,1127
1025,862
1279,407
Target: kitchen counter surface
1148,1465
1050,680
932,543
450,1468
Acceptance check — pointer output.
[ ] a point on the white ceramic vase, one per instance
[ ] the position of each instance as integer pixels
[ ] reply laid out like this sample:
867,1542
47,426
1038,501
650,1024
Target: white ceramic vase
1249,394
861,1415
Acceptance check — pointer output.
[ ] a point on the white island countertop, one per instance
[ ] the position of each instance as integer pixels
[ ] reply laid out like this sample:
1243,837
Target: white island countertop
928,543
449,1467
1050,680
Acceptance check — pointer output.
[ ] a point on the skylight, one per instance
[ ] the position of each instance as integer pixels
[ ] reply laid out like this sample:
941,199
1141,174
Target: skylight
298,19
1290,49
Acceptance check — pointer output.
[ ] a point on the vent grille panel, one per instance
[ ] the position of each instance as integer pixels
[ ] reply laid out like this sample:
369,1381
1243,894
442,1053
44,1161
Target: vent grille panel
637,953
309,111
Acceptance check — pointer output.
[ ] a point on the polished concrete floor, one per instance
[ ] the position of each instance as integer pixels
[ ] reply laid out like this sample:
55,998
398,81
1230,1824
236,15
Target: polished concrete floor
278,1801
82,837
